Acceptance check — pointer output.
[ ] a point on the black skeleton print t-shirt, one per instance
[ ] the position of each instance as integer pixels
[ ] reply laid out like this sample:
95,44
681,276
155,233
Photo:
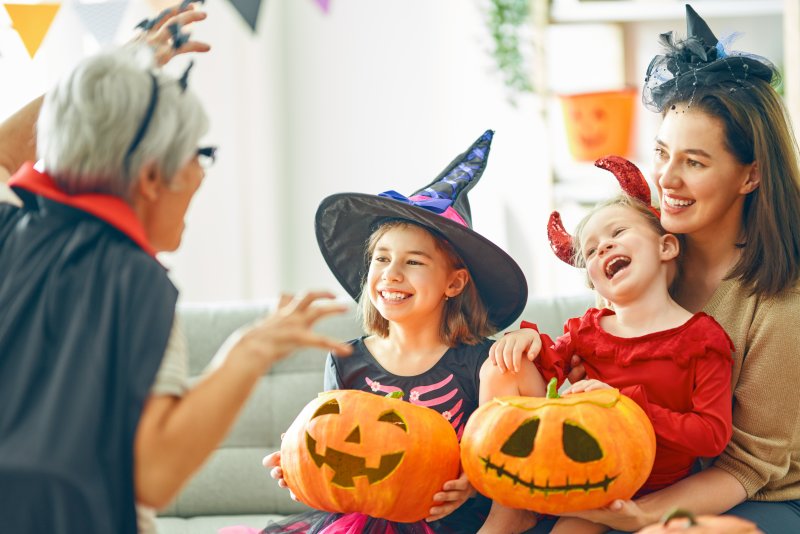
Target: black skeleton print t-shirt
450,387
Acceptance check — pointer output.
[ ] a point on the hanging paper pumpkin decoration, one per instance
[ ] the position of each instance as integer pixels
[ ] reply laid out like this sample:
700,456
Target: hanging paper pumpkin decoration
353,451
558,454
598,124
683,522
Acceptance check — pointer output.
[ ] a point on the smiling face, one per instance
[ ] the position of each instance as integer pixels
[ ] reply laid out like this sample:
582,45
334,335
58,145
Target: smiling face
352,451
623,253
700,182
409,276
558,455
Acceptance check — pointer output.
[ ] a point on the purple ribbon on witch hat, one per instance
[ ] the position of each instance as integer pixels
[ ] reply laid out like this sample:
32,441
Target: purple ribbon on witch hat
435,205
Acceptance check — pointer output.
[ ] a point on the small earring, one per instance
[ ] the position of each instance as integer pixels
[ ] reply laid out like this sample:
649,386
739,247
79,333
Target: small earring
446,297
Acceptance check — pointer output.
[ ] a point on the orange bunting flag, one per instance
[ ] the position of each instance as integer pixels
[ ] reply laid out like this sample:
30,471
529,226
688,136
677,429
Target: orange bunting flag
32,21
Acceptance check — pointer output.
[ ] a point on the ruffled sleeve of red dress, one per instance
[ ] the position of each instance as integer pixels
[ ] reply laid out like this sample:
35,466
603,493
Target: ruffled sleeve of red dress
705,429
555,356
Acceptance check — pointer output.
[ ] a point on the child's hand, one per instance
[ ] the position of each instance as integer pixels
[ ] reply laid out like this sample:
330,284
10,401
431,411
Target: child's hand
508,351
454,494
273,463
585,386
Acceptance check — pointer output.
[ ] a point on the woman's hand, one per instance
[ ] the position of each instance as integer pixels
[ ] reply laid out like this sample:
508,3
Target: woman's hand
619,515
582,386
508,351
454,493
161,38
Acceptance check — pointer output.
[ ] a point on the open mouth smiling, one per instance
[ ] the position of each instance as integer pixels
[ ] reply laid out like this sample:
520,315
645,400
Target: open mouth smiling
677,202
394,296
615,265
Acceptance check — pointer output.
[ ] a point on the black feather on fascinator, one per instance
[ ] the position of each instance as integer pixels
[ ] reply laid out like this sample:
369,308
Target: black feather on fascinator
700,60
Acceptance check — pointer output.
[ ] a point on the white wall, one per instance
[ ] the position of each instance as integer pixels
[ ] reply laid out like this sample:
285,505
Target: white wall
375,95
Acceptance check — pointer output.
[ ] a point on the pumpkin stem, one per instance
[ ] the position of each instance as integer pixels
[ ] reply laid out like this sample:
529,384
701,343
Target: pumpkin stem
678,513
552,389
395,394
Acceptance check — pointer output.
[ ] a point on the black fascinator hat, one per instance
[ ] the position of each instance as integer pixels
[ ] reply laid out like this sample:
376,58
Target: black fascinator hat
701,60
344,223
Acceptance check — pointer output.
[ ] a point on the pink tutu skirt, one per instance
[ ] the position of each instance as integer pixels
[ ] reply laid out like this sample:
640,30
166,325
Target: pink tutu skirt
466,520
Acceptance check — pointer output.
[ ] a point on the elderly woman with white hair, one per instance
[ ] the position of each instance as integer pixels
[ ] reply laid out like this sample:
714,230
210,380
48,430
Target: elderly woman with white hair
95,413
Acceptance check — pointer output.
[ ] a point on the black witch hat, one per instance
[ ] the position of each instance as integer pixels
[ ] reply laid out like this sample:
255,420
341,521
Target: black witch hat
345,221
700,60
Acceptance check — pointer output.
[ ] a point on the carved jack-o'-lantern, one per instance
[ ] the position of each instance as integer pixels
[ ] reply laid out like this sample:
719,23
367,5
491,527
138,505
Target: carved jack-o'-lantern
352,451
598,124
558,454
683,522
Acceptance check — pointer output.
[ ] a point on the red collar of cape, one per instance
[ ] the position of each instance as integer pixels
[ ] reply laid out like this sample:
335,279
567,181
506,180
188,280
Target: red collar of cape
108,208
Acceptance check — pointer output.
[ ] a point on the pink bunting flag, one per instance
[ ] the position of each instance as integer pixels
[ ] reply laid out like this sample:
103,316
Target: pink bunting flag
325,5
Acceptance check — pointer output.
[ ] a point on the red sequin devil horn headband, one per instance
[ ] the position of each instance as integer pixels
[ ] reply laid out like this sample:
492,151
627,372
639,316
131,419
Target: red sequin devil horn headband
633,184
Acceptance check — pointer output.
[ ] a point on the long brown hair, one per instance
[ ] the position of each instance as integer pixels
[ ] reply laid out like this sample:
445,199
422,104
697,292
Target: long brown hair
465,319
758,129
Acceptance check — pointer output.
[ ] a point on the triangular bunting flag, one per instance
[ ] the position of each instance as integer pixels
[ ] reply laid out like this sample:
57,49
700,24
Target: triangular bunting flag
248,9
102,19
325,5
32,21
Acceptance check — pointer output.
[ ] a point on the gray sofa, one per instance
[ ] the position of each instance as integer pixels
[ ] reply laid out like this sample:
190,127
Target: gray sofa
232,488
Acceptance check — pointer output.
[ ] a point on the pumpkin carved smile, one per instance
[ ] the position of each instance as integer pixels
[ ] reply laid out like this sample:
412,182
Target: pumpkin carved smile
353,451
558,454
547,488
346,466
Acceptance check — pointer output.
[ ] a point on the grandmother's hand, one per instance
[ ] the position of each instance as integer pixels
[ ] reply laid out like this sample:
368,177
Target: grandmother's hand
160,37
287,329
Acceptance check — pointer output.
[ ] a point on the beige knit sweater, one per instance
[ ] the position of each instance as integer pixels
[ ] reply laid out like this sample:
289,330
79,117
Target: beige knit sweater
764,452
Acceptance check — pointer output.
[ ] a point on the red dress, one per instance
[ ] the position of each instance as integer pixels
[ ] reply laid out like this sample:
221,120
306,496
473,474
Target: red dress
681,377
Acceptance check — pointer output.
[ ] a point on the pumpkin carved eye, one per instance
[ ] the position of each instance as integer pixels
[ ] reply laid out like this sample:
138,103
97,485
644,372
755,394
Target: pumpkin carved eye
354,436
329,407
394,418
520,442
579,445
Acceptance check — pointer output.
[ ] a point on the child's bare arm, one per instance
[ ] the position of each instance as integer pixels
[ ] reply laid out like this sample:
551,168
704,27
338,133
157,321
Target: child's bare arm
574,525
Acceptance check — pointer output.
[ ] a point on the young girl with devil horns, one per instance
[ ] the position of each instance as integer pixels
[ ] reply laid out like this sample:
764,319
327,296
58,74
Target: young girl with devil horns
674,364
430,291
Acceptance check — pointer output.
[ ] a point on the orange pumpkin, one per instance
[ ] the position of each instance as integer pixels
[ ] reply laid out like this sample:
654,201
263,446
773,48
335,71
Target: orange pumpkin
353,451
558,454
685,522
599,123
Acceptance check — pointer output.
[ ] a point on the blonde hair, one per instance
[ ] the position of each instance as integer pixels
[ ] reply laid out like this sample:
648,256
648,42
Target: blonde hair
465,319
625,201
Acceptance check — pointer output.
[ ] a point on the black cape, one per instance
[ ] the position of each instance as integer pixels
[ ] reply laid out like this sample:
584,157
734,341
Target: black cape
85,315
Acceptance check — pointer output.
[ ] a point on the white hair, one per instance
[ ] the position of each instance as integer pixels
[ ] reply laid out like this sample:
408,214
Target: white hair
89,120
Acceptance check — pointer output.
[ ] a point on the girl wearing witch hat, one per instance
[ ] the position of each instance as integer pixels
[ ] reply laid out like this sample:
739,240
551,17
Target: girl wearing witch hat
430,290
675,364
